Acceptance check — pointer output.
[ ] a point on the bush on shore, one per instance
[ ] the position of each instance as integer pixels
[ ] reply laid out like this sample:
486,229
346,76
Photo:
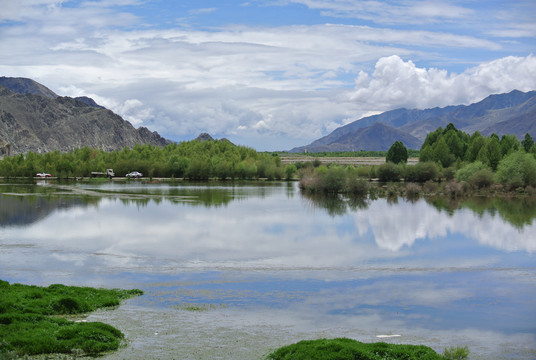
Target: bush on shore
390,172
422,172
348,349
517,169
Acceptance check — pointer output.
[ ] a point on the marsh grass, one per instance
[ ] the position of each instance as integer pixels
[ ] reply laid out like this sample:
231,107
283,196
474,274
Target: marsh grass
347,349
456,353
30,322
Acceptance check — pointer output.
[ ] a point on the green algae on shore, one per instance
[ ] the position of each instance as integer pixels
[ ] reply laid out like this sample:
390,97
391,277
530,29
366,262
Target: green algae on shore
32,319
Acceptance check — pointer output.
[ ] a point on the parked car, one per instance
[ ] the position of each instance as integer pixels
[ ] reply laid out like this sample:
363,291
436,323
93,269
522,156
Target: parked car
42,175
134,174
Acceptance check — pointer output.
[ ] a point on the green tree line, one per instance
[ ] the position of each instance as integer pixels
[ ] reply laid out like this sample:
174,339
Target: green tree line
195,160
470,161
450,145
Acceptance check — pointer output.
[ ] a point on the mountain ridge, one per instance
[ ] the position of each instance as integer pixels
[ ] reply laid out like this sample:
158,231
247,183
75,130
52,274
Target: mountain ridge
34,118
509,109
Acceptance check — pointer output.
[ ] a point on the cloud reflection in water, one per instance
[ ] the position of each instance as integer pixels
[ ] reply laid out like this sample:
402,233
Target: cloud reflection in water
402,267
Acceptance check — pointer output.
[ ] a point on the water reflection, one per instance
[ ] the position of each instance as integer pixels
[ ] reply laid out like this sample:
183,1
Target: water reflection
519,212
424,268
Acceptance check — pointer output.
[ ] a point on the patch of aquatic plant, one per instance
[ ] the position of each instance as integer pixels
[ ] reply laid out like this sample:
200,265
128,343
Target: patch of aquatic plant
198,307
27,326
456,353
348,349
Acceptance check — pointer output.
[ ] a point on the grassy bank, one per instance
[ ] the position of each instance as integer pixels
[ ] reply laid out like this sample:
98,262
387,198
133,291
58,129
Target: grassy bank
347,349
31,319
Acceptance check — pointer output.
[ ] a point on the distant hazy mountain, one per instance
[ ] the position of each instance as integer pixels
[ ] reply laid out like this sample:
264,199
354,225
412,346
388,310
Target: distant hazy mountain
377,136
34,118
512,113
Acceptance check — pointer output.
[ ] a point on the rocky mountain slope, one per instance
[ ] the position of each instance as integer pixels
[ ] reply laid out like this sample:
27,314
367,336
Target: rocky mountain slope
512,113
33,118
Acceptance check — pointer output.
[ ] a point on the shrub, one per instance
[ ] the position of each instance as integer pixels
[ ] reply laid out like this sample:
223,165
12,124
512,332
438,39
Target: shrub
389,172
517,169
468,170
422,172
334,179
290,169
373,172
449,173
310,182
482,178
364,171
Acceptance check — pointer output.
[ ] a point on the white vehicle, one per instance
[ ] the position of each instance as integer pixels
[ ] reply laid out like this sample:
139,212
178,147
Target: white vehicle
42,175
134,174
109,173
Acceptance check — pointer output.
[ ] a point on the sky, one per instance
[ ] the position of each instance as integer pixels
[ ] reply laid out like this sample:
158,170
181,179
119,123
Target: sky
269,74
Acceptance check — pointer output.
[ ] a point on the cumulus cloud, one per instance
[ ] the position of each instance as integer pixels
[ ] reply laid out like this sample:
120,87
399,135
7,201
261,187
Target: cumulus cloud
398,83
132,110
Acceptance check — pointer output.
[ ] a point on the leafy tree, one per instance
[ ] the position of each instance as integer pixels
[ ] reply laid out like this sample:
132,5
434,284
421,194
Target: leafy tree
455,144
527,142
432,137
490,153
509,144
290,169
476,142
397,153
426,154
441,153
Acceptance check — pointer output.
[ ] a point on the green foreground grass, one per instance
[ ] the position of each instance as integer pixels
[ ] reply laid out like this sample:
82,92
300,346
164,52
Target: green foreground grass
31,323
347,349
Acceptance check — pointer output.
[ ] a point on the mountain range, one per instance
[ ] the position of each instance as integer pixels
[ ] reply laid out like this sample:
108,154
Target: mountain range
511,113
34,118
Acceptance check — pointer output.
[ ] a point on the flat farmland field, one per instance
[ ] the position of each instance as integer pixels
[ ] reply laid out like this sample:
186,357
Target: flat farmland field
340,160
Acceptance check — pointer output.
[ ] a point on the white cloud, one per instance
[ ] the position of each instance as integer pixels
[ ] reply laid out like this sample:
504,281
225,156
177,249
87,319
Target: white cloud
132,110
405,12
202,11
398,83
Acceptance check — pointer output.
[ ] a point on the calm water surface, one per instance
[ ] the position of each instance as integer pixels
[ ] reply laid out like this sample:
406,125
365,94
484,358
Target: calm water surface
233,271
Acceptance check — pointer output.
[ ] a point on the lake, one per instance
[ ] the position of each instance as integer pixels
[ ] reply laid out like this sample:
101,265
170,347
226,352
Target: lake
235,270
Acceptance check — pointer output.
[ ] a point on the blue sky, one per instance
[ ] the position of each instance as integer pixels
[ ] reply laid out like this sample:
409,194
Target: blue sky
270,74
